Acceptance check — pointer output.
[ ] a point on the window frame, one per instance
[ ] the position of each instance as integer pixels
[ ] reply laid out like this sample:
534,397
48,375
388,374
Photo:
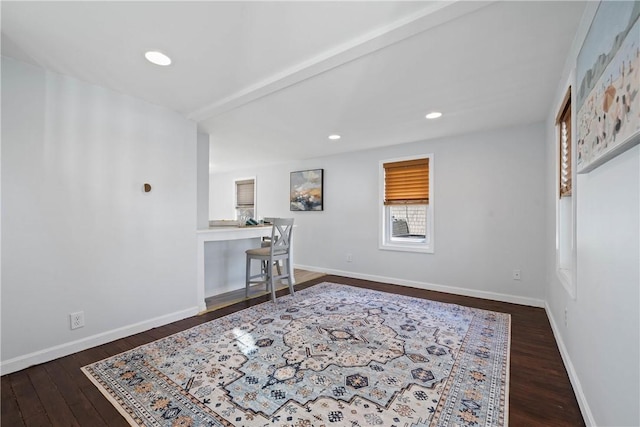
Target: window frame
386,241
565,188
565,236
255,195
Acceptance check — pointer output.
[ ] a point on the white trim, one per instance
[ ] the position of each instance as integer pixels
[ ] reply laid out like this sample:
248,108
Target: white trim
566,274
255,195
55,352
495,296
406,247
384,241
573,376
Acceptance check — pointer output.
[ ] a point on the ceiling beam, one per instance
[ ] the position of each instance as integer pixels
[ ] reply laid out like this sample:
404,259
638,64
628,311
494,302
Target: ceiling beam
435,14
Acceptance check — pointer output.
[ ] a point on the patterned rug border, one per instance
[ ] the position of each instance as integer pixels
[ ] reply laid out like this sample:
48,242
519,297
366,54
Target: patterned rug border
114,402
122,409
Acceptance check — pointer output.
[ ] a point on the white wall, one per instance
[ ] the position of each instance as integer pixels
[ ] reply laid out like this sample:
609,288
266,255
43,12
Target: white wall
608,291
600,343
79,234
203,180
489,215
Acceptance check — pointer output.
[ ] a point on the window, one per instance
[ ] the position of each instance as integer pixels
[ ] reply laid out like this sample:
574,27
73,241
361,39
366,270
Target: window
564,163
565,209
245,198
406,197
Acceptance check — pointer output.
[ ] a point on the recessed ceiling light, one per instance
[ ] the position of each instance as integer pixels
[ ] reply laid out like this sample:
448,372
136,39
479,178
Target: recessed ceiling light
334,137
433,115
157,58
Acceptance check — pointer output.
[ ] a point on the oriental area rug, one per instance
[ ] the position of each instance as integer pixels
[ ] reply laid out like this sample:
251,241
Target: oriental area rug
330,355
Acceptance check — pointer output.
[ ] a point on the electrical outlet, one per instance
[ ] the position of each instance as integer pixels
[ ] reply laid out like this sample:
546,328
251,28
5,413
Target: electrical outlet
516,275
566,317
349,258
76,319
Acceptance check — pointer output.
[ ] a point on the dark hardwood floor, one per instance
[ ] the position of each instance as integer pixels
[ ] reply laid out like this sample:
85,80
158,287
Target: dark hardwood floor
57,393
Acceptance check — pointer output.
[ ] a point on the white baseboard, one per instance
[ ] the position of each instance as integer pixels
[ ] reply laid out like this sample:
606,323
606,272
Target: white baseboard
48,354
573,376
534,302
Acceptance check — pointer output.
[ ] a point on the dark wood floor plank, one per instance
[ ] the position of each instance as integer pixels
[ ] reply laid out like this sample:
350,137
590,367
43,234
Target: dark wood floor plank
39,420
139,339
107,412
33,413
67,386
80,406
92,355
52,400
540,393
10,411
120,346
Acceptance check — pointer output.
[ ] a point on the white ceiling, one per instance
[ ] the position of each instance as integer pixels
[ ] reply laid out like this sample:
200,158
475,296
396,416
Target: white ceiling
269,81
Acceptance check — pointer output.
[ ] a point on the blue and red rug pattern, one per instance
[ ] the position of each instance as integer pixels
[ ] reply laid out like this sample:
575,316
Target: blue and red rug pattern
330,355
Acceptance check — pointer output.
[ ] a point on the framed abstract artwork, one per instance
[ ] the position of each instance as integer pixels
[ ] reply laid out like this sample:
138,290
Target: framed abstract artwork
306,192
608,80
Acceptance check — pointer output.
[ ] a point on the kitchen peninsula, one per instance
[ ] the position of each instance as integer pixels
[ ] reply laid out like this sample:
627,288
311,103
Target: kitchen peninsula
221,258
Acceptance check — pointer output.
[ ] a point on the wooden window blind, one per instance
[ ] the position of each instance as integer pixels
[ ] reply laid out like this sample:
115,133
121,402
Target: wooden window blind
564,125
406,182
245,193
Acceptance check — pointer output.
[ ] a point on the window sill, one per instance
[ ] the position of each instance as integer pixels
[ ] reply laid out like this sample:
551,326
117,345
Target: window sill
421,248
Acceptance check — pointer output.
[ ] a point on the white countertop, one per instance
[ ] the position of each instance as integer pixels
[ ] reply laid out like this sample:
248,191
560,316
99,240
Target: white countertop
233,233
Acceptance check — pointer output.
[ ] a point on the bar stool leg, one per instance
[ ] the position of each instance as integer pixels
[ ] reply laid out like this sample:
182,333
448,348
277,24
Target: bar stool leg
289,278
271,283
247,278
